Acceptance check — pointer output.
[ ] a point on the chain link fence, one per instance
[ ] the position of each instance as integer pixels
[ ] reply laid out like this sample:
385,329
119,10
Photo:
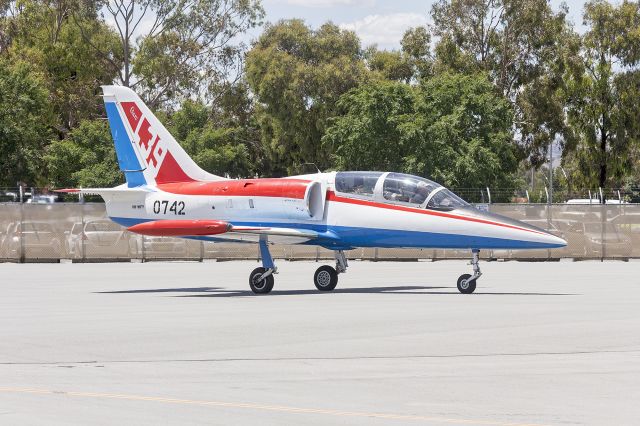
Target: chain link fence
83,233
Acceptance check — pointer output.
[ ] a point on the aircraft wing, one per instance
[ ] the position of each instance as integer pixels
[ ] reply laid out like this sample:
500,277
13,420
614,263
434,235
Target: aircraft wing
276,232
222,231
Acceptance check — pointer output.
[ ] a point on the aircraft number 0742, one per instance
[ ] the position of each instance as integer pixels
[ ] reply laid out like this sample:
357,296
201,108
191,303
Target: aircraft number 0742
161,207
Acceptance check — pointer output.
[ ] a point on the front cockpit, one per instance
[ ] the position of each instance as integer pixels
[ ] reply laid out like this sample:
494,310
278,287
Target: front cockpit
397,188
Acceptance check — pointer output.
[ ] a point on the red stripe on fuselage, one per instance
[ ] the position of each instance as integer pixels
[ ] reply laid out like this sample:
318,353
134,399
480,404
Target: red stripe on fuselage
331,196
285,188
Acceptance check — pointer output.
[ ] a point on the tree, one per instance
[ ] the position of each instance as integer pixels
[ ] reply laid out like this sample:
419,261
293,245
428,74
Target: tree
412,62
602,102
85,158
368,132
297,75
25,114
44,34
452,128
390,65
219,150
520,44
188,45
416,45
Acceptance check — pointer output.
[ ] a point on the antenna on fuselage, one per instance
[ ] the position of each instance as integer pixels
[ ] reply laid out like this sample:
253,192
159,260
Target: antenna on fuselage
305,168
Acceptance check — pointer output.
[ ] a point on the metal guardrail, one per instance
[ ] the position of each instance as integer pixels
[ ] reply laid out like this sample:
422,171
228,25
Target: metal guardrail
83,233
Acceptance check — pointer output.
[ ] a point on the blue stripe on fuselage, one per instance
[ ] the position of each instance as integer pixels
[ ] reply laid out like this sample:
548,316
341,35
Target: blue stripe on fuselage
127,159
345,237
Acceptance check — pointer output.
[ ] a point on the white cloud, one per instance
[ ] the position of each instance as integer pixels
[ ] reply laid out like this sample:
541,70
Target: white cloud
385,30
330,3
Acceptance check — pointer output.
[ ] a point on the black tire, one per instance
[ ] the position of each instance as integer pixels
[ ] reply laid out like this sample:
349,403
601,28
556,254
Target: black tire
325,278
468,287
263,286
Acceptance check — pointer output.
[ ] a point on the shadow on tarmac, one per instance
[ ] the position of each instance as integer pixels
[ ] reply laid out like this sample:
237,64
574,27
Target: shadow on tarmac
412,290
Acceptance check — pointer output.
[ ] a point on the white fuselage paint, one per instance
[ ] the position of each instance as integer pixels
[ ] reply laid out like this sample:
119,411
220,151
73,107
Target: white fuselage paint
339,216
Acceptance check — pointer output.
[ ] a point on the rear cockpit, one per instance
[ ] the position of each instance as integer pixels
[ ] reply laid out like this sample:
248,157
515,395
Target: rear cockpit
397,188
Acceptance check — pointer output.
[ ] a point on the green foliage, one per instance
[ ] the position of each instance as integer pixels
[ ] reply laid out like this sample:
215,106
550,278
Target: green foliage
466,130
505,79
453,128
46,36
218,150
391,65
520,44
189,46
602,104
24,116
416,45
368,134
85,158
297,75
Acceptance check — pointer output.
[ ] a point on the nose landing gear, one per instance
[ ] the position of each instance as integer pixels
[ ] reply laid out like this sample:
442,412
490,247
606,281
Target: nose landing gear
326,277
467,282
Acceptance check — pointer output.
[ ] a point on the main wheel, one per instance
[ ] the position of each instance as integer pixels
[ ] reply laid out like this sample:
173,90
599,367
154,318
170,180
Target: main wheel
260,286
466,286
325,278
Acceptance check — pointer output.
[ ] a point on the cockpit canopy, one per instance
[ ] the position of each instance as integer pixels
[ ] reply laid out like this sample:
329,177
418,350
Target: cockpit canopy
397,188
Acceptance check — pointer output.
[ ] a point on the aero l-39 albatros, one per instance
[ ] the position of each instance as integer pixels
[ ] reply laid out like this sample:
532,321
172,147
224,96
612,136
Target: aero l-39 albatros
167,194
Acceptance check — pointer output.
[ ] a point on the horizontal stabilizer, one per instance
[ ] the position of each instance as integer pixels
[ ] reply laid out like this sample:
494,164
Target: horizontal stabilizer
181,228
118,190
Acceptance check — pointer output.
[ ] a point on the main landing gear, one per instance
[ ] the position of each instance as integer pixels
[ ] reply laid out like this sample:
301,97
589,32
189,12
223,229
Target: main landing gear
326,277
467,282
261,279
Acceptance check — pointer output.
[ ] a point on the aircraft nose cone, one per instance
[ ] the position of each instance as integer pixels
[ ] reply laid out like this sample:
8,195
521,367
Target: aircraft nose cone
554,240
523,234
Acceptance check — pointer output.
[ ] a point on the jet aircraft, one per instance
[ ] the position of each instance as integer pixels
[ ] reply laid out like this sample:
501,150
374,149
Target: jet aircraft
167,194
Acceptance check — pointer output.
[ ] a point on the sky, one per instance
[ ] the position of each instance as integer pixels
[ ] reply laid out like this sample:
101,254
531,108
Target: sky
381,22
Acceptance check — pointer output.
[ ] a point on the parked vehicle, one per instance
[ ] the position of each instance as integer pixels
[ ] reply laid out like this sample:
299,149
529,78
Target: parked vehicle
42,199
606,239
629,223
37,239
4,239
98,238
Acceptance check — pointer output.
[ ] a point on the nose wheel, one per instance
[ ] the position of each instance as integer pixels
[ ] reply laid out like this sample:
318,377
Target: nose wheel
326,277
467,282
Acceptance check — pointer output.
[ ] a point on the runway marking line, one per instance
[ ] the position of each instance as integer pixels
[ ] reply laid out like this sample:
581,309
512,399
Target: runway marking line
254,406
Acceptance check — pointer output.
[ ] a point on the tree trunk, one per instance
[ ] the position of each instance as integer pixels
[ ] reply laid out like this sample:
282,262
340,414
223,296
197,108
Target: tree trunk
603,156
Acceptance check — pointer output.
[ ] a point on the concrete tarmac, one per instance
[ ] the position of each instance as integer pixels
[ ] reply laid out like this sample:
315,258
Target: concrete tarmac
188,343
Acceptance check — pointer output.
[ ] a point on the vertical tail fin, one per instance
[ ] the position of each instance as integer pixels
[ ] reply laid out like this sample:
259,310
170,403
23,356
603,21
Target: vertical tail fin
147,153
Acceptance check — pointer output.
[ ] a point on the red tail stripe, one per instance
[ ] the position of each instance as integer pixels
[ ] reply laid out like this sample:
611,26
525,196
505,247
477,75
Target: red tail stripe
133,114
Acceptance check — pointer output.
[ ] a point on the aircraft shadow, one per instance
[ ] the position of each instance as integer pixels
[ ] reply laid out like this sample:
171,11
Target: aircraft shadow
163,290
411,290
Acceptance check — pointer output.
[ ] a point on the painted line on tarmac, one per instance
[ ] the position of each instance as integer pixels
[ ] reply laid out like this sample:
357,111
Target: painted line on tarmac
253,406
319,358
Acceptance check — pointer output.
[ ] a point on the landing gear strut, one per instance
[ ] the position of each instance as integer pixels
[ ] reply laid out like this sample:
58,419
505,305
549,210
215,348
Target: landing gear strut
467,282
261,279
326,277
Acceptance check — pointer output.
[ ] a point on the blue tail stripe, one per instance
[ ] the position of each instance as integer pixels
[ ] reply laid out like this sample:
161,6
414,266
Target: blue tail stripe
127,159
